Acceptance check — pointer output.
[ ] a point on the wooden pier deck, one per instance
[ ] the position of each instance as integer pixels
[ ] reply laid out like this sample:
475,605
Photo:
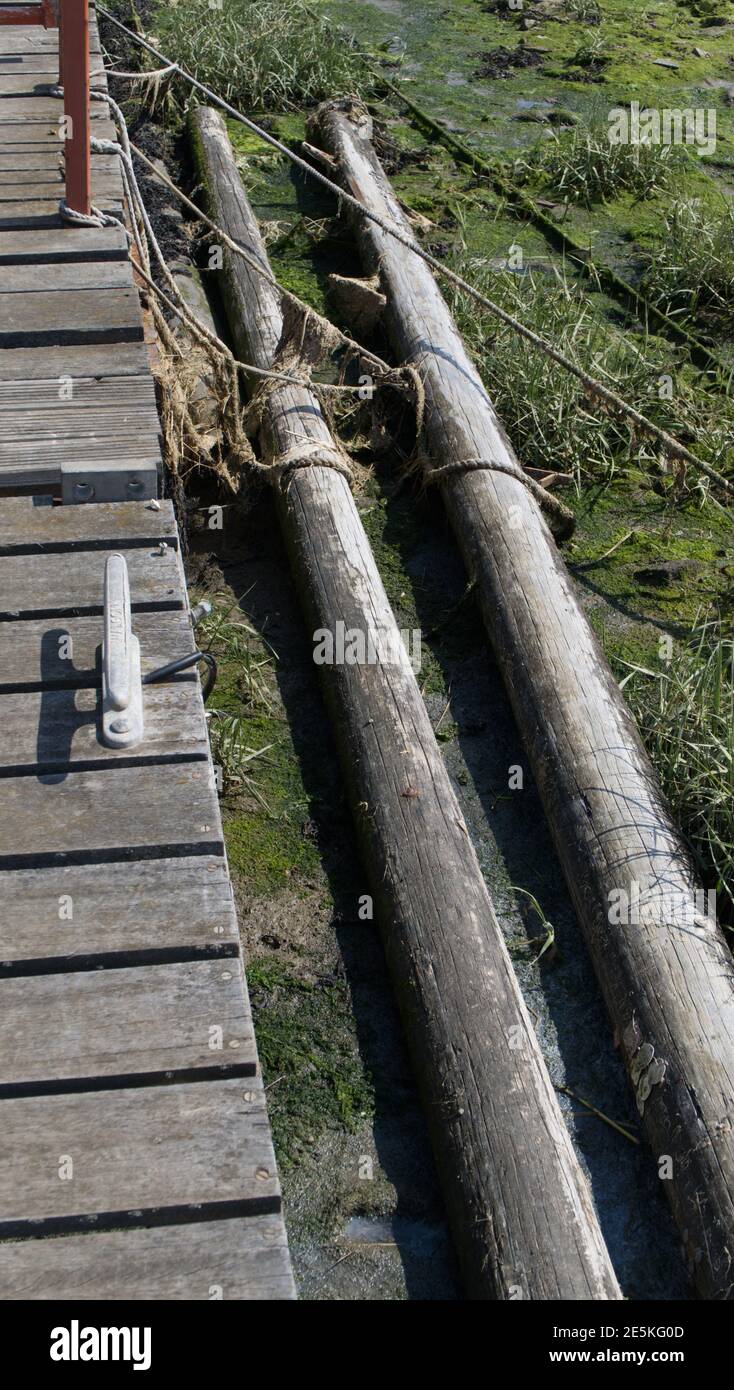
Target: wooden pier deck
135,1154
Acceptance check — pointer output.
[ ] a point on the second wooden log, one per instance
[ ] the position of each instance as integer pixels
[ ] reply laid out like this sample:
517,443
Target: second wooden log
665,971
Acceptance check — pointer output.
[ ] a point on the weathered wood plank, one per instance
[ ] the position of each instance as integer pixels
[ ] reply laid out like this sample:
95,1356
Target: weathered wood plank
15,133
63,652
26,525
245,1258
497,1131
138,1154
84,1030
90,275
41,110
41,189
81,437
669,988
152,908
55,318
104,359
34,64
45,731
32,38
59,244
115,813
41,215
60,585
28,161
75,427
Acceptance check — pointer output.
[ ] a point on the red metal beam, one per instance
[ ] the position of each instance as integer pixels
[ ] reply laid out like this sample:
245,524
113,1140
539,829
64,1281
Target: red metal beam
72,18
74,76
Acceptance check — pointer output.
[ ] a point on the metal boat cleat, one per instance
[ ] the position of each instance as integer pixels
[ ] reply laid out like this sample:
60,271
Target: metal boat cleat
122,688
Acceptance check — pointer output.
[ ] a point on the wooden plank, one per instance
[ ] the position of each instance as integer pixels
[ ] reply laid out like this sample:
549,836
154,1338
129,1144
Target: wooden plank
87,1030
26,84
60,244
116,359
45,187
41,214
77,422
145,910
41,110
27,161
91,275
41,64
15,133
31,651
244,1259
51,172
117,813
58,319
52,730
139,1155
59,585
33,38
24,524
81,437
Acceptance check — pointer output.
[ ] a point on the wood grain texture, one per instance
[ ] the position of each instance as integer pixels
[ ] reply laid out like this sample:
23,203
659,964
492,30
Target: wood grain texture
498,1134
64,652
90,275
85,1030
115,813
116,359
133,911
668,984
139,1155
59,245
61,730
25,525
245,1258
69,584
54,318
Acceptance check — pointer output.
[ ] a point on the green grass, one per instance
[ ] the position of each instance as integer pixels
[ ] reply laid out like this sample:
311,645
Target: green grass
268,55
685,711
582,166
550,419
689,271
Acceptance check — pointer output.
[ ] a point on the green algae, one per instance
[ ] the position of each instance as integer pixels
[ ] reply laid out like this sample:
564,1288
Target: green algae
309,1056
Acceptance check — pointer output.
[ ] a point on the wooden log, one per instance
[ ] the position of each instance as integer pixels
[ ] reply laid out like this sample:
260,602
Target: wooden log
664,968
518,1203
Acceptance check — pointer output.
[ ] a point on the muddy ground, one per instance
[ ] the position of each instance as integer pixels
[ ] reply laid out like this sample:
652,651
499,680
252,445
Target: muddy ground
364,1214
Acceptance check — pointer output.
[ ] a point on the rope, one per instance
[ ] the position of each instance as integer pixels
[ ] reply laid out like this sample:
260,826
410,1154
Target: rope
306,455
671,446
264,271
282,468
96,218
180,307
562,514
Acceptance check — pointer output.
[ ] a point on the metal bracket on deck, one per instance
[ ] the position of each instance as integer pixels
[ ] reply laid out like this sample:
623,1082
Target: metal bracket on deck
122,688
